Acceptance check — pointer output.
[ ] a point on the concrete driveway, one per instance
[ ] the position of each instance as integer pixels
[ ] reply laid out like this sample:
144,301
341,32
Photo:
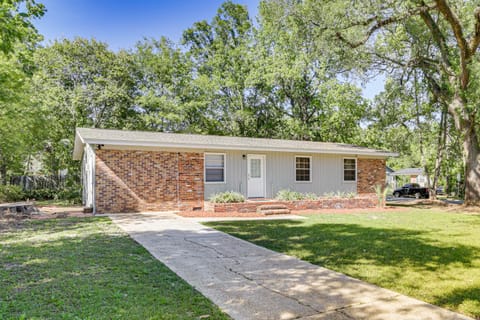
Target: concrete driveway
251,282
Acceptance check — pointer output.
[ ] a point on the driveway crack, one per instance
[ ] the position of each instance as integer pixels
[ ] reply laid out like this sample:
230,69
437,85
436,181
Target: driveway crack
315,311
206,247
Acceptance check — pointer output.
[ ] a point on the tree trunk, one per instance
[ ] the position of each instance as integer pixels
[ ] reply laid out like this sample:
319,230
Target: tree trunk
441,146
471,151
472,168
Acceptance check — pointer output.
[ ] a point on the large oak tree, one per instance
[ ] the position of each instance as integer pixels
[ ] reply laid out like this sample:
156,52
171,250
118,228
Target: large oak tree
437,38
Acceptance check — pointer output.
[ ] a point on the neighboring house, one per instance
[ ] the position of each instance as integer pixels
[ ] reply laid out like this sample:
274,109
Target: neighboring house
416,175
137,171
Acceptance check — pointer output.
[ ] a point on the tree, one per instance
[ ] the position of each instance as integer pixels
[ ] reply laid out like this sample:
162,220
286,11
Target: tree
312,101
164,79
16,25
20,121
223,60
83,84
437,38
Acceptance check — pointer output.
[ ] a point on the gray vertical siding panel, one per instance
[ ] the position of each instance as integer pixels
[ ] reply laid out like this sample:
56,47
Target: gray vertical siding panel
235,175
327,174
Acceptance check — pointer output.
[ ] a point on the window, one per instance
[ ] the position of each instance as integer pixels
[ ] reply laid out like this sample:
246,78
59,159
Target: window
214,167
349,169
303,169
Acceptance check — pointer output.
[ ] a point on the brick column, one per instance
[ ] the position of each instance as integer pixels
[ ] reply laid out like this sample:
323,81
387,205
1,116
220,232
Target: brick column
370,172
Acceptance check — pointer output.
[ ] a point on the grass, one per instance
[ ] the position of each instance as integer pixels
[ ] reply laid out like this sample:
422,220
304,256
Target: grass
428,254
88,269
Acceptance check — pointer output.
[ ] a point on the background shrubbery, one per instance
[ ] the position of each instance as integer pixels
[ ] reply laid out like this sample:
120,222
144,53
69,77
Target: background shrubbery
11,193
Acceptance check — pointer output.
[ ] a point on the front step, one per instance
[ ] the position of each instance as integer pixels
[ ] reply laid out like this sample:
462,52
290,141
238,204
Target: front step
270,209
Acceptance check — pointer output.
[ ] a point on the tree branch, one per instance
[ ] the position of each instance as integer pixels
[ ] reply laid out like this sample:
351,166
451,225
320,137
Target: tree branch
379,24
456,25
438,37
475,41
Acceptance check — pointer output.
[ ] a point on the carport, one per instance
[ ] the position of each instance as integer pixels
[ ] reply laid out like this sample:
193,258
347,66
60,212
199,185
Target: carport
417,175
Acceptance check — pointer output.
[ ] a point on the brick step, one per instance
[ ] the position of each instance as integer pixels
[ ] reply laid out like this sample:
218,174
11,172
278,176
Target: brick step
275,211
269,209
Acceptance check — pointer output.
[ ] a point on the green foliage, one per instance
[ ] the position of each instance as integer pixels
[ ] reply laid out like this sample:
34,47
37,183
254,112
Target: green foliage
227,197
10,193
16,28
340,194
310,196
289,195
41,194
81,83
381,191
72,194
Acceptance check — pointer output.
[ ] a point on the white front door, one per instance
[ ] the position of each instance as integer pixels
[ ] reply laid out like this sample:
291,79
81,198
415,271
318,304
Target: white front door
255,176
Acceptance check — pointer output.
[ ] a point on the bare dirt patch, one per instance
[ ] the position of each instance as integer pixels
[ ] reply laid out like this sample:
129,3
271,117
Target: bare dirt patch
45,212
52,212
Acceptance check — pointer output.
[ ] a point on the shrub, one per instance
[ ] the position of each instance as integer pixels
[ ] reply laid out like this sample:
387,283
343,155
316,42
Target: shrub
11,193
227,197
351,195
381,191
340,194
310,196
289,195
71,194
329,194
41,194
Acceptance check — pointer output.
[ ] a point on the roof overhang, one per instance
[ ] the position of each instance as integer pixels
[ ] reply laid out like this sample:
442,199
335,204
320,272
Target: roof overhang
80,143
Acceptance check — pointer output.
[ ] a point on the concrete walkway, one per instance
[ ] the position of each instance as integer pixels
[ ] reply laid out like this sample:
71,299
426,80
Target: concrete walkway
251,282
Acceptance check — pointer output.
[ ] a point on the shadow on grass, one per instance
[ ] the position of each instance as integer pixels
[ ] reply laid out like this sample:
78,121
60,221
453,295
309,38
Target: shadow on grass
458,297
88,269
349,244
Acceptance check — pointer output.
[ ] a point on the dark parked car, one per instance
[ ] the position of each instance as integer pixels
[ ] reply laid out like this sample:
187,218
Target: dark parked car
411,190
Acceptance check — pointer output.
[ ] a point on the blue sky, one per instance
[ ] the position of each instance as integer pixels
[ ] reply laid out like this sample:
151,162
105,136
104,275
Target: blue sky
122,23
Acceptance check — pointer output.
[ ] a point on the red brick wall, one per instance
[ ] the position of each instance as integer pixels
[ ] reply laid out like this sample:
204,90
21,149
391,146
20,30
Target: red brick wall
369,173
362,202
132,181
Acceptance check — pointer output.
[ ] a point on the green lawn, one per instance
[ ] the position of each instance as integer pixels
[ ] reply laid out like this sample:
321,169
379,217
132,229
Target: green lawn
88,269
428,254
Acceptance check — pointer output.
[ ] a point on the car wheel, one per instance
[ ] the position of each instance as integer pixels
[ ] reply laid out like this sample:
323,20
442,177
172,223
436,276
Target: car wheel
417,195
396,194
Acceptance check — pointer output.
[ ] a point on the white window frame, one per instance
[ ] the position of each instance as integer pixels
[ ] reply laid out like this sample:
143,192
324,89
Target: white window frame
295,169
343,170
205,168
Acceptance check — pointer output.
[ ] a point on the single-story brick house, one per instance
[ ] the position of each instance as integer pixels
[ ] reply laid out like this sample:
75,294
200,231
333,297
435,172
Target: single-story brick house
128,171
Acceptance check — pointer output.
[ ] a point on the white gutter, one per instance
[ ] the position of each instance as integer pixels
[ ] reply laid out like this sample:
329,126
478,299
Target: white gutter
176,145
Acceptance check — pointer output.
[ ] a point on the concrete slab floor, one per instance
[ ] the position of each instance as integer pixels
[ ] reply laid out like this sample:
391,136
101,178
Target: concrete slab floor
251,282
